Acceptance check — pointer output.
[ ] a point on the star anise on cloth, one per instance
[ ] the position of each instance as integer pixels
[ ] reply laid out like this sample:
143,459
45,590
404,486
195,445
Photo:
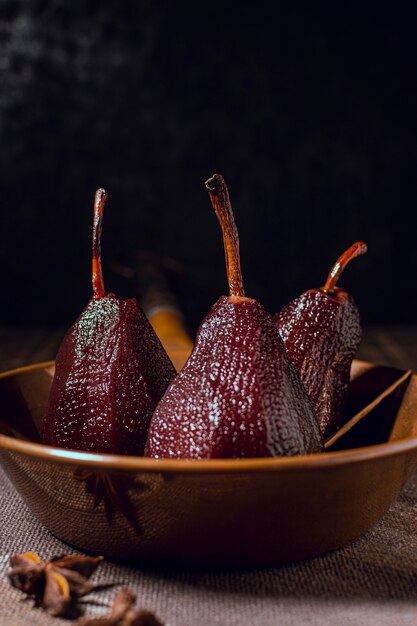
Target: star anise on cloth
57,584
123,614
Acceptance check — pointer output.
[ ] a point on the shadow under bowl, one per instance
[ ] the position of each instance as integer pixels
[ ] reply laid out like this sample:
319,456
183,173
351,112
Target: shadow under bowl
242,512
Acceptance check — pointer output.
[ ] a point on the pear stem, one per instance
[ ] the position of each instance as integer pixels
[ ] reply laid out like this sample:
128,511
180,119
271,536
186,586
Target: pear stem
100,198
220,200
356,249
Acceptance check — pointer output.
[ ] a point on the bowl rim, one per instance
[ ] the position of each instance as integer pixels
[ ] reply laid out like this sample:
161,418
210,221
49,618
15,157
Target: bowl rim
120,462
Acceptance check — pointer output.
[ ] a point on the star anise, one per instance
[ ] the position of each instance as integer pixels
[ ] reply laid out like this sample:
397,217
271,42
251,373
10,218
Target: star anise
113,491
123,614
54,585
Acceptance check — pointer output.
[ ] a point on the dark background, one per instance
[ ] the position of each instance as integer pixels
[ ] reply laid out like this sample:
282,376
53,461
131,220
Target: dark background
309,114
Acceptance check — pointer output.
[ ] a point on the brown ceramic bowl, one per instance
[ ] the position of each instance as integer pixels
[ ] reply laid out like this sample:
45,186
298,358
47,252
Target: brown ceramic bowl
222,512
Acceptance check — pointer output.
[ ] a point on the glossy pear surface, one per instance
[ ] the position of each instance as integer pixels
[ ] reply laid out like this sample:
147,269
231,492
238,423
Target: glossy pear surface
238,394
111,371
321,333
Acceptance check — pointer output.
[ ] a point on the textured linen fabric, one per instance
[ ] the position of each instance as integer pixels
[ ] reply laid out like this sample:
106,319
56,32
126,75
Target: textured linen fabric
373,581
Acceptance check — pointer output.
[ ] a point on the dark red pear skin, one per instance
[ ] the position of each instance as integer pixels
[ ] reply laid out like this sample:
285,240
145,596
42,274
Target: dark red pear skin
321,333
111,371
237,396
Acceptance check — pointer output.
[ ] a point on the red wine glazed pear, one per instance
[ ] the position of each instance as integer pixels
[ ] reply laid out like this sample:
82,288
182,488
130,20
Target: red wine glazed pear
238,394
321,331
111,371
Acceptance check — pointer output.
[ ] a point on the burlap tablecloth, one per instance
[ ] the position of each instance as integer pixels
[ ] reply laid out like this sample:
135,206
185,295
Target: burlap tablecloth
372,582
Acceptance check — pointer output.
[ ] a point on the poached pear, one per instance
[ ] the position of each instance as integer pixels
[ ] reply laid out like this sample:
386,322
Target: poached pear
321,331
111,371
238,395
